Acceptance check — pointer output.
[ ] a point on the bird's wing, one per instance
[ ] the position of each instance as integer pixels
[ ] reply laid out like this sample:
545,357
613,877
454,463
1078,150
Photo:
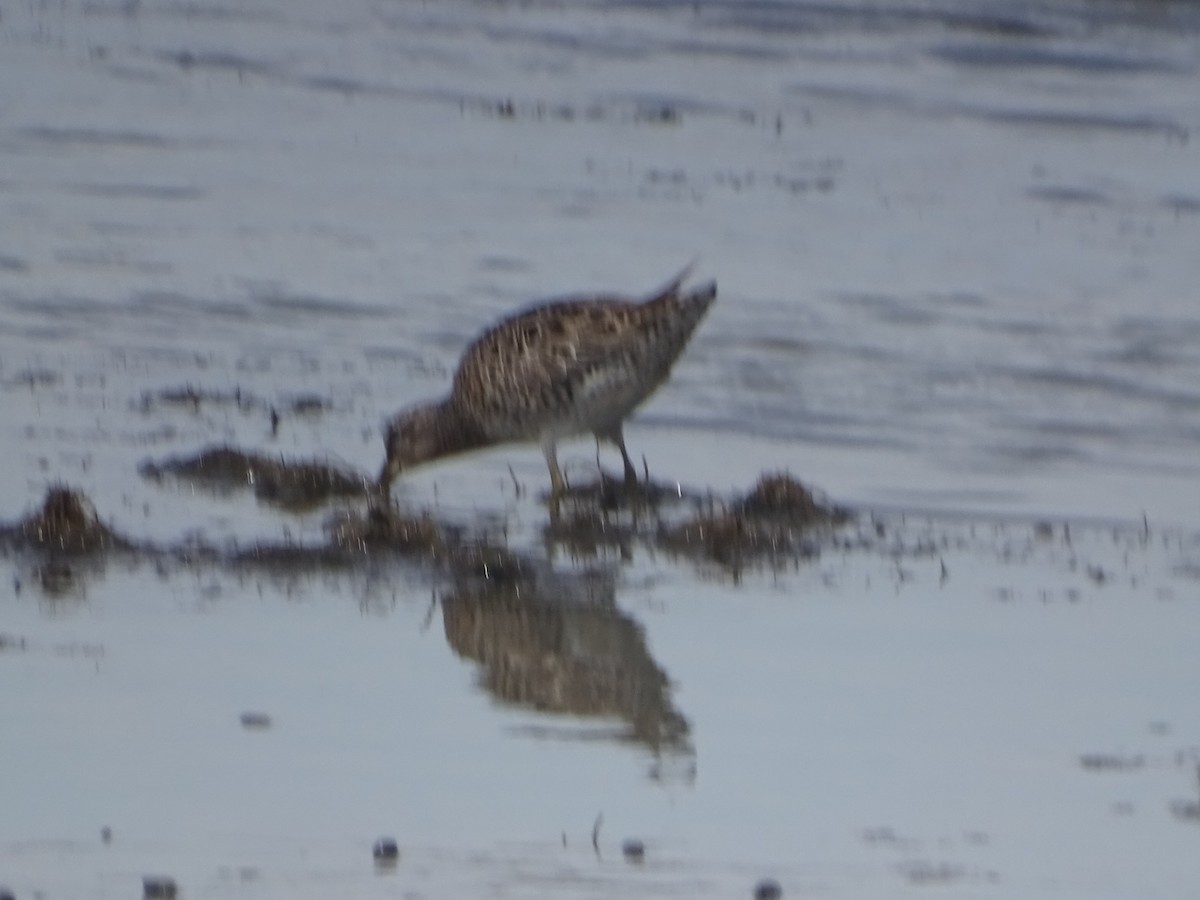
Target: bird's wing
549,358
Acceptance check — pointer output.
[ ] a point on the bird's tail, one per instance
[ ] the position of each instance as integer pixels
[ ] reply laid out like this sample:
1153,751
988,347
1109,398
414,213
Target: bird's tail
676,313
672,287
692,304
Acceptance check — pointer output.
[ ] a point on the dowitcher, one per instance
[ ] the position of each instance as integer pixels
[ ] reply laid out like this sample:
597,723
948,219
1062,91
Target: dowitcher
562,368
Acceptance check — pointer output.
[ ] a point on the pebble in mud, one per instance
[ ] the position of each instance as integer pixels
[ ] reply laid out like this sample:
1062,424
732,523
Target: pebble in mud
768,889
386,851
634,850
106,835
6,894
156,887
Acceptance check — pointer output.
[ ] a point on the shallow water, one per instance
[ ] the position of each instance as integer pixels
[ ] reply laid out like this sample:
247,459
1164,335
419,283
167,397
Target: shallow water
956,247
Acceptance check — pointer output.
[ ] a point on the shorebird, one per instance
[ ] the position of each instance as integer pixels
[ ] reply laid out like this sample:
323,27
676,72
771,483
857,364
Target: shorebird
559,369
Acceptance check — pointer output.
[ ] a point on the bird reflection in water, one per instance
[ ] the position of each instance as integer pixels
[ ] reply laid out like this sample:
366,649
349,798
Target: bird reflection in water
556,642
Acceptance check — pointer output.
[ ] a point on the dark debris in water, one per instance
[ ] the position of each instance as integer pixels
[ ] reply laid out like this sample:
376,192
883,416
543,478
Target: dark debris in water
924,872
194,400
159,887
11,643
34,378
1186,810
255,720
287,484
386,851
633,850
1111,762
639,111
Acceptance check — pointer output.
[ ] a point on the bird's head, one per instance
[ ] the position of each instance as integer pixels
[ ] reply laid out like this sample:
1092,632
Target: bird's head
410,439
424,433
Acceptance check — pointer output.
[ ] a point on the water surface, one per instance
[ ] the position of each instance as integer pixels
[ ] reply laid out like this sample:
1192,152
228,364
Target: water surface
956,246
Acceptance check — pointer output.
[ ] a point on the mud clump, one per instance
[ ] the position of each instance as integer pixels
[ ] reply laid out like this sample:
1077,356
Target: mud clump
779,496
777,521
608,513
299,486
386,528
63,542
67,522
289,485
586,533
351,537
611,492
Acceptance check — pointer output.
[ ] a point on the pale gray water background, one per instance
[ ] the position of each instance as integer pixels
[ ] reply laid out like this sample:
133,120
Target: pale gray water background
958,246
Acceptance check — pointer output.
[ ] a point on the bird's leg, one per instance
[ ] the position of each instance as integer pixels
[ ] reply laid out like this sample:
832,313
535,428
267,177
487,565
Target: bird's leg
617,436
630,471
558,484
378,495
379,491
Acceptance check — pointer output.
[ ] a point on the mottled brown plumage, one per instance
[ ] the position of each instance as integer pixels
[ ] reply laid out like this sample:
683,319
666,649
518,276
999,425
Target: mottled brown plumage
559,369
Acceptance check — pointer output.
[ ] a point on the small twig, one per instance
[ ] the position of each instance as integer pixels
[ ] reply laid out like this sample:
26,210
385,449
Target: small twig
596,833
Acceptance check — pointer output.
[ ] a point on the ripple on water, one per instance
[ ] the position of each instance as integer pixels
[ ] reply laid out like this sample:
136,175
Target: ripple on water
1024,56
137,190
